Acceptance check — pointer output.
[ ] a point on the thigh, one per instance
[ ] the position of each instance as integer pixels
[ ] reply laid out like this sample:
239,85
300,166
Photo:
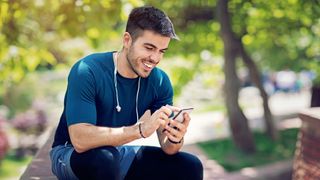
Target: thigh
60,162
98,163
153,163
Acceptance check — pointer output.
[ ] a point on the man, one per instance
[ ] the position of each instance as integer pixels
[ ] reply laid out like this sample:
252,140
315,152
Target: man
116,97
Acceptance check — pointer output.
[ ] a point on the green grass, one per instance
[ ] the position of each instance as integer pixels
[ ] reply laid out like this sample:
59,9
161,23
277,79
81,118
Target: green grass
12,168
267,151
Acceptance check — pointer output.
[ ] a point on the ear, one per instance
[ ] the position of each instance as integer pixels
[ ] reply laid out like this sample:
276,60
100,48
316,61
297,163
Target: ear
127,40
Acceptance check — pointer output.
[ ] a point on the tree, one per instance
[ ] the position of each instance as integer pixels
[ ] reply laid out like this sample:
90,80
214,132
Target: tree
238,122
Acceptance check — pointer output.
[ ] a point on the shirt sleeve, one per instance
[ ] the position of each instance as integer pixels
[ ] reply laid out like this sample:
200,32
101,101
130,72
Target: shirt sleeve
80,101
164,92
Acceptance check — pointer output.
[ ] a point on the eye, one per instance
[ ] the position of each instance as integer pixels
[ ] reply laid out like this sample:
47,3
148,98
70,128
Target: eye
149,48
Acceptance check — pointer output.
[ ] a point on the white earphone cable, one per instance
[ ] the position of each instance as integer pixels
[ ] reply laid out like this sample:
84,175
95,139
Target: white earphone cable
118,107
137,98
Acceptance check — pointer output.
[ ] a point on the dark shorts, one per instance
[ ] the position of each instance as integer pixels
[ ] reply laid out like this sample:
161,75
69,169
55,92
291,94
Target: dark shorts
61,154
60,162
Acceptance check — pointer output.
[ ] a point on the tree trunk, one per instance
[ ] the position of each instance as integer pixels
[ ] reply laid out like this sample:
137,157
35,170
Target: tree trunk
256,78
238,122
315,96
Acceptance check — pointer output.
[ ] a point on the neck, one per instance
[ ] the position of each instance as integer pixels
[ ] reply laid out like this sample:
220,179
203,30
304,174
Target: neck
123,66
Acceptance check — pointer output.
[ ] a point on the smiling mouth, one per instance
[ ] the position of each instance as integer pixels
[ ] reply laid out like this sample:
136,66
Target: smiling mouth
148,65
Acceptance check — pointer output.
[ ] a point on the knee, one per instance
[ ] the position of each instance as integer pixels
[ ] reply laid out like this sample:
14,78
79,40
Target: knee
195,163
106,163
193,166
96,163
106,157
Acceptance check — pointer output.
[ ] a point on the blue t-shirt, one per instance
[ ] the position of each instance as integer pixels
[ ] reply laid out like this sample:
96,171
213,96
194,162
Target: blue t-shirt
91,97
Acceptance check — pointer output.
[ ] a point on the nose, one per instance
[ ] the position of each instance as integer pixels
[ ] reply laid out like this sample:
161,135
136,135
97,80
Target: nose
155,57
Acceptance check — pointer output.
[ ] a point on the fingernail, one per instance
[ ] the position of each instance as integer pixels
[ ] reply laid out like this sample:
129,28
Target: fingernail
172,114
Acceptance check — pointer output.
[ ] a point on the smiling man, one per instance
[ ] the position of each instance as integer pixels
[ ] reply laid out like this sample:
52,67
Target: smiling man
114,98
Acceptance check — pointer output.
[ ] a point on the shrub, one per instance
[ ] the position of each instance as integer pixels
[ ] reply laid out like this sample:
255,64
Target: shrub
29,125
30,122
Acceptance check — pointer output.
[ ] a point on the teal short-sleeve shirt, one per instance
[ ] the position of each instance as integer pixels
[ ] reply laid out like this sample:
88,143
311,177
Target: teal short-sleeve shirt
91,98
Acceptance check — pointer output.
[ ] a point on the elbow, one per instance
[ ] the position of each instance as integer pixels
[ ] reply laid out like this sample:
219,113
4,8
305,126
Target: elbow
77,140
78,146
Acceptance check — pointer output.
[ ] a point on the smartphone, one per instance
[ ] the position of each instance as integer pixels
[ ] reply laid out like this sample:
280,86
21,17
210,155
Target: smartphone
179,115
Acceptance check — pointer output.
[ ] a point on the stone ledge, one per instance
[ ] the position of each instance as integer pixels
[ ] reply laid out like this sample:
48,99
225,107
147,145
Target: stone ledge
40,167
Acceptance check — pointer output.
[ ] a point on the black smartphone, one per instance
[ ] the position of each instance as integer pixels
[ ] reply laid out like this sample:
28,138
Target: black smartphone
179,115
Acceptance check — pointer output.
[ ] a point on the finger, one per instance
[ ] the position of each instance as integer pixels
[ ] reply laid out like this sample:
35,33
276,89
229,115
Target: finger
176,131
180,127
173,108
164,115
186,119
174,123
163,122
166,110
172,137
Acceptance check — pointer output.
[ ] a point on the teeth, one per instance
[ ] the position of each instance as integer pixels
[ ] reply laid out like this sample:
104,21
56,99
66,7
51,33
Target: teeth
148,65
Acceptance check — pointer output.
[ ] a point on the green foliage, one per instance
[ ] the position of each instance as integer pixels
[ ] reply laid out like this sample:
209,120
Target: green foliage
41,86
33,33
19,97
37,35
279,34
268,151
40,35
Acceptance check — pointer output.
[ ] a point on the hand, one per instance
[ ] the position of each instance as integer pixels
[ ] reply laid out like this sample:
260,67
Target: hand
176,131
149,124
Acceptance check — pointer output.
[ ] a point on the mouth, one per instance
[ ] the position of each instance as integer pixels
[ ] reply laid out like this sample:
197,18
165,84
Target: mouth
147,66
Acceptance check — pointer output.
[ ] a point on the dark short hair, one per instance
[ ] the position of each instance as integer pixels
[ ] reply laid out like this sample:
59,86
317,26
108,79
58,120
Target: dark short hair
149,18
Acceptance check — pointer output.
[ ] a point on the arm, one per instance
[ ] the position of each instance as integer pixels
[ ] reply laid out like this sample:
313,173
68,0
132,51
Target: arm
86,136
81,113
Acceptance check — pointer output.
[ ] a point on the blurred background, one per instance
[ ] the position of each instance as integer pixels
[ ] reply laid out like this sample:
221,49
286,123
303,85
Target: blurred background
247,67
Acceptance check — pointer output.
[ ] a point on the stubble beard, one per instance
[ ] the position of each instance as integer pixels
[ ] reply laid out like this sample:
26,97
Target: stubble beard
132,64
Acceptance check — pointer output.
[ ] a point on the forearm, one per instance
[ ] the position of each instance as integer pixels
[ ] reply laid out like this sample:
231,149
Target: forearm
86,136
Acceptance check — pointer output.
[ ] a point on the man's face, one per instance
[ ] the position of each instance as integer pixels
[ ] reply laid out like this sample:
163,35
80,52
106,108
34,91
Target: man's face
146,52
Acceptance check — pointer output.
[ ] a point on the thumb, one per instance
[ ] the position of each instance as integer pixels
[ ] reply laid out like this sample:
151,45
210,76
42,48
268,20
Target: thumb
173,108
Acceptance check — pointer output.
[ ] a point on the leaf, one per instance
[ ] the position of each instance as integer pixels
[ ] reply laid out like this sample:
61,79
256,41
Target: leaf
48,57
32,62
93,33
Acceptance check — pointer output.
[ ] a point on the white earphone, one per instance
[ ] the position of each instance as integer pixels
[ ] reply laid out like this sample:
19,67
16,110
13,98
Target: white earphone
118,107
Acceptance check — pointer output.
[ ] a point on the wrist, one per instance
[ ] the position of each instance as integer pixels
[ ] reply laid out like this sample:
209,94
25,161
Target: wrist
140,130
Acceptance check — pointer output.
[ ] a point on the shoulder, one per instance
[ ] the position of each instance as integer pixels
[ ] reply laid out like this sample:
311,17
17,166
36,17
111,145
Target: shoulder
159,78
98,60
93,63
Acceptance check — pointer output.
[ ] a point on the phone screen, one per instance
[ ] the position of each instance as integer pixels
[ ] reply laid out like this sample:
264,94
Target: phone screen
179,115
